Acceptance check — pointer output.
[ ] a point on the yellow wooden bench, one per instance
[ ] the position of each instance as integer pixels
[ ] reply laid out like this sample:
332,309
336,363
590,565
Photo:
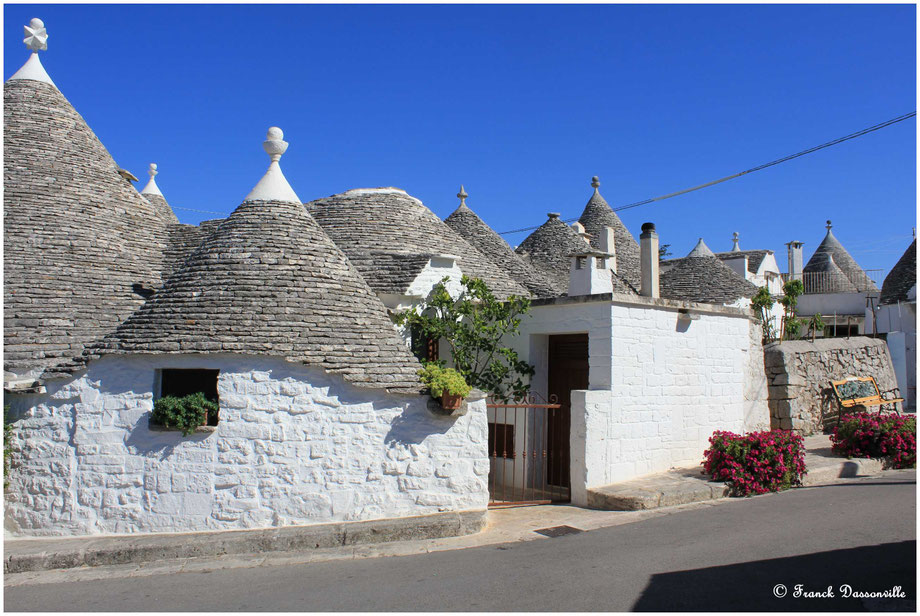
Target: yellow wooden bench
861,391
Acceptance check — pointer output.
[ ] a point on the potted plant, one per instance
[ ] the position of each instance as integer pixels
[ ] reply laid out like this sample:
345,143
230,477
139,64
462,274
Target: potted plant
185,413
446,384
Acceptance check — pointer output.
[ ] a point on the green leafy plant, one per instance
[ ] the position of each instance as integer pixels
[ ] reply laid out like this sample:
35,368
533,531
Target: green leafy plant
791,327
8,448
762,302
474,326
443,381
815,324
866,435
185,413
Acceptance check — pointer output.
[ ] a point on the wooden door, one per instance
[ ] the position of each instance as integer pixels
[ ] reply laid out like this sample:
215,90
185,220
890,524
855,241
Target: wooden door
568,370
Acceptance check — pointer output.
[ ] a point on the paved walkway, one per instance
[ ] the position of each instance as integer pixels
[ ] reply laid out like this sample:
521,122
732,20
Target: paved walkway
503,525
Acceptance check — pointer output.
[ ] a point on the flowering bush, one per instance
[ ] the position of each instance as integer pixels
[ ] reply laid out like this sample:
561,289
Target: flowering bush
757,462
890,436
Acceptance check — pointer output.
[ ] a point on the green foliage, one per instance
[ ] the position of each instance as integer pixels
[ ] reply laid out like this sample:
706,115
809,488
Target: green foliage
8,448
762,302
474,326
664,251
815,324
792,327
185,413
444,381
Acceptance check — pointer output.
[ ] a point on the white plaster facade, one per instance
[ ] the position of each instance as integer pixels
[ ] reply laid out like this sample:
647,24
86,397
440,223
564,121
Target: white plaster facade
660,382
294,446
899,322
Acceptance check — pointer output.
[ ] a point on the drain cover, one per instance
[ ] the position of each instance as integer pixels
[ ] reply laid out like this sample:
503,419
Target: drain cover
558,531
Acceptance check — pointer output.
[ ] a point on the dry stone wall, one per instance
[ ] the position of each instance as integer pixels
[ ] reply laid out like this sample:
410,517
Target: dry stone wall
800,372
294,445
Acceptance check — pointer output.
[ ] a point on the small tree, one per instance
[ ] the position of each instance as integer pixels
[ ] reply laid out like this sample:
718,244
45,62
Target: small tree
790,299
474,326
815,324
762,302
664,251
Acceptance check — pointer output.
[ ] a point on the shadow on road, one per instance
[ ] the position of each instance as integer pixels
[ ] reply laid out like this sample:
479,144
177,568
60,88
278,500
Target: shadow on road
750,586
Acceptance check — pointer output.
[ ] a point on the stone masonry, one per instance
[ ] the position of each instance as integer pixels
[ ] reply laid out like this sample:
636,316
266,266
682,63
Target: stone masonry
799,374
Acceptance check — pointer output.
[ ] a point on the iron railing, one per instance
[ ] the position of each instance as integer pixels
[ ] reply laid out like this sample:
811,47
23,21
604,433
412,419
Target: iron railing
835,282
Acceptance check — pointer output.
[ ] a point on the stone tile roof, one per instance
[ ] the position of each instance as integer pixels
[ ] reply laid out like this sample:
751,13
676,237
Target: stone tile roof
831,245
268,281
82,247
389,272
182,242
701,250
474,230
755,257
703,279
597,215
548,250
360,221
162,206
901,278
832,279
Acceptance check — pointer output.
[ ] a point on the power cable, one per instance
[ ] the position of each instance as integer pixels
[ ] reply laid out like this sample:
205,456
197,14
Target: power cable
772,163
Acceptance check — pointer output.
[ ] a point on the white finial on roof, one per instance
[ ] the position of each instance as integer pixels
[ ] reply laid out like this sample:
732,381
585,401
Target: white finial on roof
595,183
829,225
36,36
36,39
462,195
151,188
735,247
273,186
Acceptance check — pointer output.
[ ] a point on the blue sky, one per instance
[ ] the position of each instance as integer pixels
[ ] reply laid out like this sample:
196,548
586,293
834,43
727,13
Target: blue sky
521,104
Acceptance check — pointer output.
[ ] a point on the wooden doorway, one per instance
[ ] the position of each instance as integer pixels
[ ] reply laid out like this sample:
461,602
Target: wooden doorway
568,370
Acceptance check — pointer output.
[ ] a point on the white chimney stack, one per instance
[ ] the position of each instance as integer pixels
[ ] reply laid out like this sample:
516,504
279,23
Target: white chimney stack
607,243
648,253
794,254
589,273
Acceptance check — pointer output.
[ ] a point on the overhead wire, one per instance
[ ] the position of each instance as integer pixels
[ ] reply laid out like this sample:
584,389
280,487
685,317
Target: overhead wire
772,163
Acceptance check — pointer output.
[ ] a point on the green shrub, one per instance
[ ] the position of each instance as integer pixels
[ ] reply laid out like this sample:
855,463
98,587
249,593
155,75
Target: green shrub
185,413
757,462
444,380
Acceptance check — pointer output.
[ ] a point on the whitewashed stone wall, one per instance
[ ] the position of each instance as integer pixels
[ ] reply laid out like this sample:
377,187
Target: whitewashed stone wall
659,385
294,446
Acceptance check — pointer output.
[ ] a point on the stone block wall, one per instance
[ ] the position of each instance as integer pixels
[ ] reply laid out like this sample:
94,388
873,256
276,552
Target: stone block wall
294,445
799,374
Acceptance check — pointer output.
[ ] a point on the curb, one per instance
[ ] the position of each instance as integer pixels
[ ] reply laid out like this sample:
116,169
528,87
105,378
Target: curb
23,555
684,486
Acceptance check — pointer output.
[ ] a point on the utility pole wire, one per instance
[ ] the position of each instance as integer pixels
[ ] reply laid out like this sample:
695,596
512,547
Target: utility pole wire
784,159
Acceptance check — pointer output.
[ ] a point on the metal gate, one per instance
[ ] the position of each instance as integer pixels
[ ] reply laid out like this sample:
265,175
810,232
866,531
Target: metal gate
526,465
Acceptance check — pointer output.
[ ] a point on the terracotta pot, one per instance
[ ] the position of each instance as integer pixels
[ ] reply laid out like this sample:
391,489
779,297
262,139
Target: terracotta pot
451,402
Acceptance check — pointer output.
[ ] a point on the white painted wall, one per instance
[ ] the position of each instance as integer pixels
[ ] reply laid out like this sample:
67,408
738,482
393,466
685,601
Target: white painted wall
294,446
899,321
829,303
659,385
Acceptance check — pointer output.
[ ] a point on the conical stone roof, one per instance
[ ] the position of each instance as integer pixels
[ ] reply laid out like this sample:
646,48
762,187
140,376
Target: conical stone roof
826,276
548,250
82,247
474,230
269,281
701,250
901,278
597,215
830,245
366,222
152,193
703,278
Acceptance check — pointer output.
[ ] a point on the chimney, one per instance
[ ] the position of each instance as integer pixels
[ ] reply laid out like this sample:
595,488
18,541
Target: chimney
648,252
589,273
606,242
578,227
794,254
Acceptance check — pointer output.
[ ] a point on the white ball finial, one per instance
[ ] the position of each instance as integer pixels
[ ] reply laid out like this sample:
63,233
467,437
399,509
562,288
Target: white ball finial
36,37
152,170
595,182
274,143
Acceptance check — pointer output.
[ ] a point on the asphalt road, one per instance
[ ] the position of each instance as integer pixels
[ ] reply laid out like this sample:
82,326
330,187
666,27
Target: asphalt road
728,557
